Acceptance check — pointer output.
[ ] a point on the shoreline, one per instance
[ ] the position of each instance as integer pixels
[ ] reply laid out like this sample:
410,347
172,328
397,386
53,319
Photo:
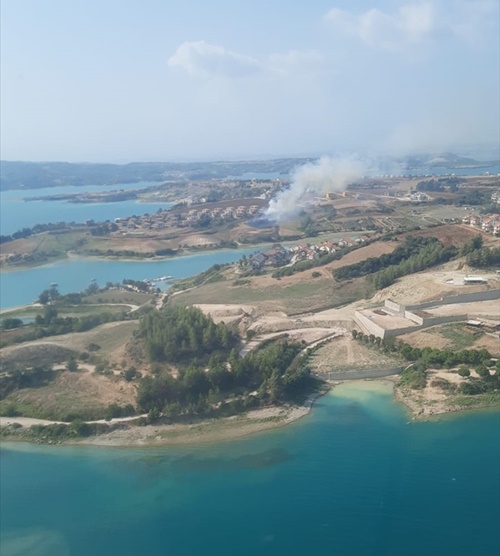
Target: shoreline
77,257
205,431
240,426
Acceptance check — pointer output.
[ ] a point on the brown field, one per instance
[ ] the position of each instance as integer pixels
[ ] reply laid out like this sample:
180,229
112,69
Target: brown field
82,392
374,250
300,296
33,354
346,354
454,336
111,336
455,235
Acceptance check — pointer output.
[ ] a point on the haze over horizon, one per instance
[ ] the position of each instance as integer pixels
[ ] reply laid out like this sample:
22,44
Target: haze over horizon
184,81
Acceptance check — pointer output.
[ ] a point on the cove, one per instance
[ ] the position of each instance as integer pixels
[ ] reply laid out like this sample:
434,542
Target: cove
16,214
21,287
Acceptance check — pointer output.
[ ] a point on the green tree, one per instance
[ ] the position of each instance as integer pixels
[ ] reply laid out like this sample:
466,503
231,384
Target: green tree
464,371
72,365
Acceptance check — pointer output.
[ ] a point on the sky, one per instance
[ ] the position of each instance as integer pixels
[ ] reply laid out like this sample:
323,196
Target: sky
184,80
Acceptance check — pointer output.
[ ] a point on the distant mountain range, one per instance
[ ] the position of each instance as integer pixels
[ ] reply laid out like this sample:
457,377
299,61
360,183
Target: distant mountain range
35,175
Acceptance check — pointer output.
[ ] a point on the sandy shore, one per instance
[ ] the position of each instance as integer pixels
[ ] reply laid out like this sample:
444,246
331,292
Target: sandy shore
210,430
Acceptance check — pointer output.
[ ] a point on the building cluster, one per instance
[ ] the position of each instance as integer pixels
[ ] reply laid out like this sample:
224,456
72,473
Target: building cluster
489,223
136,225
156,221
194,216
495,197
281,256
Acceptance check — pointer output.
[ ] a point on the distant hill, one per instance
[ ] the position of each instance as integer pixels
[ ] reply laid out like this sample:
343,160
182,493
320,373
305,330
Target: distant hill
445,160
34,175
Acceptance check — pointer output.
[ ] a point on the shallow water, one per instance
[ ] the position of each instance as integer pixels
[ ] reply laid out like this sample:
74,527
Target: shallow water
17,213
20,287
353,478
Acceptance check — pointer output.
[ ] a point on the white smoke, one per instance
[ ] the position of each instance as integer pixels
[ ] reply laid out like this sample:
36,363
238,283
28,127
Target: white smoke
315,178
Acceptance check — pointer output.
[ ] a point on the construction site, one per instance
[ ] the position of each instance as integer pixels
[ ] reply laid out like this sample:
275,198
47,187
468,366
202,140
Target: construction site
478,309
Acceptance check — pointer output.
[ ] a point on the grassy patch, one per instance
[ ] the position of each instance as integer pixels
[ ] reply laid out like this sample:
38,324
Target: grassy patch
61,407
488,399
120,296
460,336
294,299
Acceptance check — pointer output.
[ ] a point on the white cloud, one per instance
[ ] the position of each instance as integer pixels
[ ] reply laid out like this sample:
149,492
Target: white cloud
410,24
201,58
471,21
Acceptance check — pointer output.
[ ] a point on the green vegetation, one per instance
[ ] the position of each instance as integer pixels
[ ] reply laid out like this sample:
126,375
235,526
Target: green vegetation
56,432
272,374
212,274
25,378
461,336
416,254
311,263
10,323
177,334
49,323
484,257
212,379
440,184
415,376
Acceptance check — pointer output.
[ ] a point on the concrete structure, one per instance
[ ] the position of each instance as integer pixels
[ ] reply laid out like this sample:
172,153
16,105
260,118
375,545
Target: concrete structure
394,319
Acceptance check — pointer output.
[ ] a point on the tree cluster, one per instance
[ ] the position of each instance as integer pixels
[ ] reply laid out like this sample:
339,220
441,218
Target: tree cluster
178,333
484,257
415,376
415,254
228,383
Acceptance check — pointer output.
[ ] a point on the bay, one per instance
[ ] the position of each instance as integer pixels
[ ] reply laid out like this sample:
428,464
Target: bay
353,478
21,287
17,212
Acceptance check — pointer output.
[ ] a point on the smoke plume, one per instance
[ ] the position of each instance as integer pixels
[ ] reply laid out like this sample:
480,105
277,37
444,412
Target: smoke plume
315,179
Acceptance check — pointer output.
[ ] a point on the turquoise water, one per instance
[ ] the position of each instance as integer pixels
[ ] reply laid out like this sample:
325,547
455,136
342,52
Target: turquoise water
15,213
20,287
351,479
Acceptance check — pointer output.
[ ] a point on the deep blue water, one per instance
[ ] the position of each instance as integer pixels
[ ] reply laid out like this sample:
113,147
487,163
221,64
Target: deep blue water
15,213
20,287
353,478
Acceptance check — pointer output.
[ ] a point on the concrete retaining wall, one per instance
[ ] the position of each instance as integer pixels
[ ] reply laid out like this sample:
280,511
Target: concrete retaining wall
369,325
488,295
395,307
379,331
413,317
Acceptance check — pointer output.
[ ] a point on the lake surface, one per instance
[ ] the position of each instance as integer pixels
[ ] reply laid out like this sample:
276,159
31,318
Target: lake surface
353,479
17,213
20,287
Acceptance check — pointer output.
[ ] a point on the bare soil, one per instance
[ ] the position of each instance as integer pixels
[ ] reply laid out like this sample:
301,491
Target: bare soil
454,234
111,336
346,354
80,392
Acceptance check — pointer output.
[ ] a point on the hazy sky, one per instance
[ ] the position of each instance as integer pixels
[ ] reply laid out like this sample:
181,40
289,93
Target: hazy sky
119,81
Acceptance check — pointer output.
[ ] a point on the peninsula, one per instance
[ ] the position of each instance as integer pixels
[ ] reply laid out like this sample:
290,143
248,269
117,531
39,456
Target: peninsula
387,277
